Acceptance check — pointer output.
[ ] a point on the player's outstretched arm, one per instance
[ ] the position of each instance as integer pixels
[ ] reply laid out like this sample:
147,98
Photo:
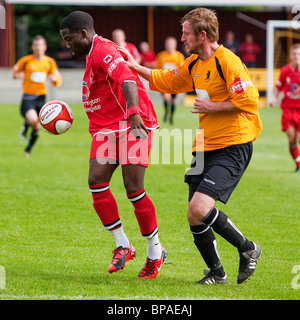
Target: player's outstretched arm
133,65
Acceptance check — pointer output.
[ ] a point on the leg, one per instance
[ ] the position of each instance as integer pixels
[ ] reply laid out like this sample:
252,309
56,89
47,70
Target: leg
32,120
133,176
166,98
173,98
144,210
105,205
202,209
103,200
293,136
204,238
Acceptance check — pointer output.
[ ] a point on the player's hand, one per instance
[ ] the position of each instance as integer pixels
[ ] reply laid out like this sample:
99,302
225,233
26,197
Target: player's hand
273,102
202,106
131,62
138,127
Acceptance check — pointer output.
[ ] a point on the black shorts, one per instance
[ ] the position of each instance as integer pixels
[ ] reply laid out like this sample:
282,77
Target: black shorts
222,170
32,101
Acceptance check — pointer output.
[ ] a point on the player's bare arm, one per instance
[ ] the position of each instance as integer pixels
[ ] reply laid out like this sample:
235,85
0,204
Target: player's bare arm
132,98
207,106
18,74
133,65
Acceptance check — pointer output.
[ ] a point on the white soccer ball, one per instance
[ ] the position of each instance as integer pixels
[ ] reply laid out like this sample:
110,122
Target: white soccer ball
56,117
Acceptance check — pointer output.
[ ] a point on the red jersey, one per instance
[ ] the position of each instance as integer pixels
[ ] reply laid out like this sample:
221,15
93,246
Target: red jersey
132,49
102,95
249,51
289,83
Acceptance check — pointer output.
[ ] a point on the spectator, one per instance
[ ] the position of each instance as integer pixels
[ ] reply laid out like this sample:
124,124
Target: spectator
119,37
170,58
230,42
148,57
249,50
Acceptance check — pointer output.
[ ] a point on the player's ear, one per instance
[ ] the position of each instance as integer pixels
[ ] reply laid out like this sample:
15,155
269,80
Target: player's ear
84,34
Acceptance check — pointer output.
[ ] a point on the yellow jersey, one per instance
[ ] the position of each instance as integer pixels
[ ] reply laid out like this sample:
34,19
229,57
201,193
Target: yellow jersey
165,60
36,72
222,77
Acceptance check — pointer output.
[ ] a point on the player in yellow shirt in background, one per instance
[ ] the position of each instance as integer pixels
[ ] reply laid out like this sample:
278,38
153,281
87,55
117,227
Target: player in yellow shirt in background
170,58
227,105
34,69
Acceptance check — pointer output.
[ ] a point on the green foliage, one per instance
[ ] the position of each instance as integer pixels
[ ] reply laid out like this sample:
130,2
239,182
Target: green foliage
44,20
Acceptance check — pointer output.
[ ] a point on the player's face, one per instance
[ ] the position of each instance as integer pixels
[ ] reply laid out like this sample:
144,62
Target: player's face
75,42
295,56
191,41
39,47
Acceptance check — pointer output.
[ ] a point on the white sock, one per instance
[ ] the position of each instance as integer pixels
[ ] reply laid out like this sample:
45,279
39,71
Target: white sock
120,237
154,248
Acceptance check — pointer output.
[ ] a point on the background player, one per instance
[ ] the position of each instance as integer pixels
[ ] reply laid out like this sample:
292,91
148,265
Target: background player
121,122
289,84
170,58
119,37
34,69
227,105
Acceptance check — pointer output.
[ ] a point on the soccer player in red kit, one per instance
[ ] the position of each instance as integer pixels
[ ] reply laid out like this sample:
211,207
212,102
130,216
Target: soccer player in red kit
289,84
122,119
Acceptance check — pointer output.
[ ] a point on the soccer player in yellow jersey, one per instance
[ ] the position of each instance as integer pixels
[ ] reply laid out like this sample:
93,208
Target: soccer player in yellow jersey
34,69
227,105
170,58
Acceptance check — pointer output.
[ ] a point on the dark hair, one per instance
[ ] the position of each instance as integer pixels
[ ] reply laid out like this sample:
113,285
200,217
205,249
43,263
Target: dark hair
77,21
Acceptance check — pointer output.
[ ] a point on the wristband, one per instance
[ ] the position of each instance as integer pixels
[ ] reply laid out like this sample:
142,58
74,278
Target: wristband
133,110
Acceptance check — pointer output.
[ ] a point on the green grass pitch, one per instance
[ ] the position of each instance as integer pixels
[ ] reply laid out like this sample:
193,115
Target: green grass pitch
53,246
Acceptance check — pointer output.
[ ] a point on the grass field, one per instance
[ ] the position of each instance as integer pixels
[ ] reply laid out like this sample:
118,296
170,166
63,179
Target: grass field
53,246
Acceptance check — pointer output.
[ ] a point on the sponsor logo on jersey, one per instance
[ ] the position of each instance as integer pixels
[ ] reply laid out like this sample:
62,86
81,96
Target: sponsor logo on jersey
113,65
85,91
239,86
175,71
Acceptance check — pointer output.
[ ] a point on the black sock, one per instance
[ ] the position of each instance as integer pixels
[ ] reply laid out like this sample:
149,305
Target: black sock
32,140
166,110
172,112
205,242
226,229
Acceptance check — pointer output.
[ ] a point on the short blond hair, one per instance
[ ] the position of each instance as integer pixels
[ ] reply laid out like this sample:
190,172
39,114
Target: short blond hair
203,19
295,46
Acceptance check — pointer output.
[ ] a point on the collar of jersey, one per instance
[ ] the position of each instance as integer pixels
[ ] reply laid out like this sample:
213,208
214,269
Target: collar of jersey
92,44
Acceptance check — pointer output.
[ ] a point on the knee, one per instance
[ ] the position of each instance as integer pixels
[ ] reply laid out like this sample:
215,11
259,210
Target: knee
132,186
196,212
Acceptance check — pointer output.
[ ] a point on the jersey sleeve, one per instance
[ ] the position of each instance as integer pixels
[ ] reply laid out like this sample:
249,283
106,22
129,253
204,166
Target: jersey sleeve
110,60
281,81
173,81
53,70
20,65
242,92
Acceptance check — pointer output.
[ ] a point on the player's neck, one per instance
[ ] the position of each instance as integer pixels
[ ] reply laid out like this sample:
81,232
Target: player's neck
295,66
38,56
208,50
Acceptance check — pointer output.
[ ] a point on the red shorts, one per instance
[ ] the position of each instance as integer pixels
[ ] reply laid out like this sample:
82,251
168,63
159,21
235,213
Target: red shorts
290,118
121,148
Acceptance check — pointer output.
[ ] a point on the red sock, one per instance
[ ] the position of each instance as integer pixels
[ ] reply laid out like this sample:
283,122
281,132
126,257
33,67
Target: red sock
105,205
145,213
294,150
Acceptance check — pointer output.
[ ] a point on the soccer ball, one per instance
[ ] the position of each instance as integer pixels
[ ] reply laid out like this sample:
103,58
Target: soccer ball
56,117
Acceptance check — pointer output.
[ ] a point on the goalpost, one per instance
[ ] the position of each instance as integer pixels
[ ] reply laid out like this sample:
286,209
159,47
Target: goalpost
271,26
